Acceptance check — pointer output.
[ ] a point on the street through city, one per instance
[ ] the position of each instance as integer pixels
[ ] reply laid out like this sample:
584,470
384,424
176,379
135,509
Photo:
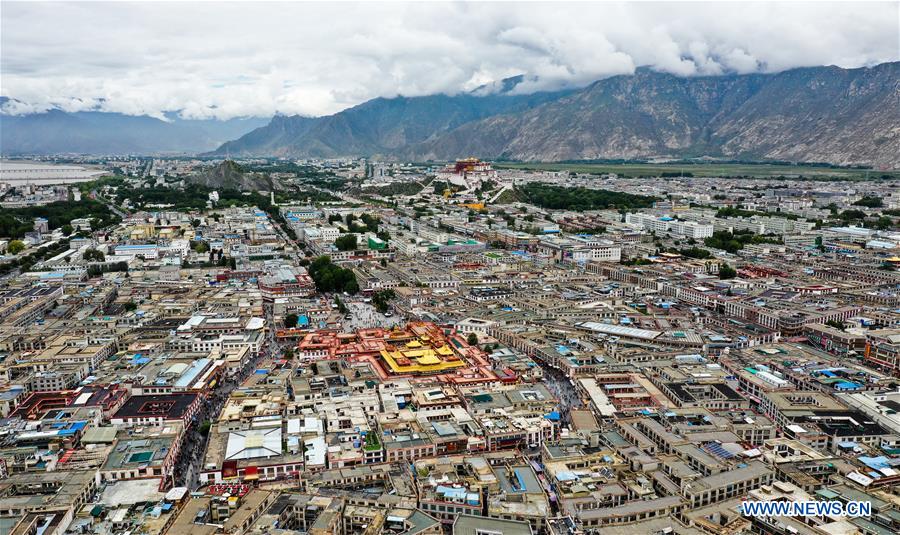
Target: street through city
562,388
189,464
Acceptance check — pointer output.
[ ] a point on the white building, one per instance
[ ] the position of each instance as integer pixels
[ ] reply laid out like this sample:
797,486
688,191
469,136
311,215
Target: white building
691,229
652,223
326,234
595,248
179,247
149,251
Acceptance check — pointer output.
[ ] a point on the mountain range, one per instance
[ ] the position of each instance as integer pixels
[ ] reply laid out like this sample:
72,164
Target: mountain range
382,126
815,114
96,132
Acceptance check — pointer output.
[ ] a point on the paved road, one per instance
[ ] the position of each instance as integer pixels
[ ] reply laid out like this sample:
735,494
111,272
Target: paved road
558,384
284,235
193,450
111,205
189,465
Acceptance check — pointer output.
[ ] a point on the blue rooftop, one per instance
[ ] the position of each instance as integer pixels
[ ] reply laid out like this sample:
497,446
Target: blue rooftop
192,372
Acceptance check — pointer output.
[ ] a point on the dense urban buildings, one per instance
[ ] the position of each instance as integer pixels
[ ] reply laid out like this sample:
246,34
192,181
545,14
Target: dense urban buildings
399,348
449,268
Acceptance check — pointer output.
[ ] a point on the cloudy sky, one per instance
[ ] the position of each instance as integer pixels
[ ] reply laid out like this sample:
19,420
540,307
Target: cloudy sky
216,59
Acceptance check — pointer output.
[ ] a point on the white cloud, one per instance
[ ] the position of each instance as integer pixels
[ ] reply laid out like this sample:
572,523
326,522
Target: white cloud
238,59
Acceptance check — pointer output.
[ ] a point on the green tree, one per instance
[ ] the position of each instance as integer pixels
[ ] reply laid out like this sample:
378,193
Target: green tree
93,255
726,272
15,222
371,222
351,286
15,247
382,299
332,278
851,215
695,252
869,202
347,242
66,229
882,223
472,339
290,321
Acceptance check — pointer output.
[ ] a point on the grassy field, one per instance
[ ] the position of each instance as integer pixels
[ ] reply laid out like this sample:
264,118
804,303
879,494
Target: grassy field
725,170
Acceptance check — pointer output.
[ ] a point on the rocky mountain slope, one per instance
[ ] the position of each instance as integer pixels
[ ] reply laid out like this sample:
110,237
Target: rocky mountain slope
822,114
819,114
380,126
230,175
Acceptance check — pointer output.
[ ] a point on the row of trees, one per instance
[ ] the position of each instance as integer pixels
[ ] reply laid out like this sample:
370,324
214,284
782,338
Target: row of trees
15,222
96,270
734,242
870,202
694,252
738,212
397,188
882,222
580,199
195,197
300,171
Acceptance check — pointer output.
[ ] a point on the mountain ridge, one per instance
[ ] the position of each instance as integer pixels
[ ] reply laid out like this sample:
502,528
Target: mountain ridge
95,132
382,125
810,114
